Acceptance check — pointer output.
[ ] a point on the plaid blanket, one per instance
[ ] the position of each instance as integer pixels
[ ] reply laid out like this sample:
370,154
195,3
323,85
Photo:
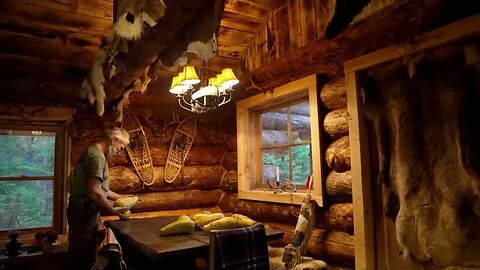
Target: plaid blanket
241,248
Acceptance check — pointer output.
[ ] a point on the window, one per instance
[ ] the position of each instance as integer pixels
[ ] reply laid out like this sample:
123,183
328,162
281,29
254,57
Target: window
27,159
278,139
33,169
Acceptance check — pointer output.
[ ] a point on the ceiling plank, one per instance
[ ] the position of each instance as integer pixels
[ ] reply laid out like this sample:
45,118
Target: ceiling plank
45,48
92,8
234,37
43,67
50,20
246,8
270,5
240,22
230,50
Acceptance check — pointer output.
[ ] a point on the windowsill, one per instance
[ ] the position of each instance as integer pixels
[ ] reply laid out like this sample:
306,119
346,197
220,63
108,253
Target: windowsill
270,196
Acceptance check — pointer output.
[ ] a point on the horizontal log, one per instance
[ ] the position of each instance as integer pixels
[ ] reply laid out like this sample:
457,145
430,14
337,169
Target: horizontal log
313,249
229,161
278,121
125,180
334,95
271,212
206,156
338,155
331,246
340,217
339,186
335,123
204,136
168,213
174,200
229,183
339,247
231,142
198,156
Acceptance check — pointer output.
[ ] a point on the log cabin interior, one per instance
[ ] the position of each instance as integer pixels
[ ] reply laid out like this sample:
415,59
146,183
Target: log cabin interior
377,100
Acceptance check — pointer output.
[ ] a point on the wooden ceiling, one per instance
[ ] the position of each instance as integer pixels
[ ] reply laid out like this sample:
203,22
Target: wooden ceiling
60,37
48,46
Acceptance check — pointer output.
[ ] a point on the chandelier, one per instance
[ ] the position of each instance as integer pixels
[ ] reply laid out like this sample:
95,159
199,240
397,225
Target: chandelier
200,96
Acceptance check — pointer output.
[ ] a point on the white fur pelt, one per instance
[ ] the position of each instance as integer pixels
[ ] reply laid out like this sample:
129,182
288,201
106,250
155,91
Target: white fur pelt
129,24
92,86
126,28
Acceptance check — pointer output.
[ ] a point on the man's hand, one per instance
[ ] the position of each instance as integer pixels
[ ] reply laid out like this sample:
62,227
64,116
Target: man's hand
121,209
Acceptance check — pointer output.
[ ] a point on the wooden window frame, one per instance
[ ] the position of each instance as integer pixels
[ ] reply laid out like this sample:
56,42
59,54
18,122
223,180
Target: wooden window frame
51,119
369,232
249,140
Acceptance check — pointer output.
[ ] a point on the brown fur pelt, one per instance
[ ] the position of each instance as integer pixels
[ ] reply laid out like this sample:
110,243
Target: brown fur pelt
427,148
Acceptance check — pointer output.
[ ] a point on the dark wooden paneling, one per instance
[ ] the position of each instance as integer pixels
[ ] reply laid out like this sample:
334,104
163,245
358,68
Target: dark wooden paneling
282,32
294,29
307,21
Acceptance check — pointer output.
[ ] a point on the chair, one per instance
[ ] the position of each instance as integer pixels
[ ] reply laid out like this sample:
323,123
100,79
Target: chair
240,248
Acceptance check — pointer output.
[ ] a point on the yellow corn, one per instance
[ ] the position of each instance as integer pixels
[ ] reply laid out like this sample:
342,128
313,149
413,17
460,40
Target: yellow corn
243,221
185,217
128,202
204,219
126,215
223,223
180,226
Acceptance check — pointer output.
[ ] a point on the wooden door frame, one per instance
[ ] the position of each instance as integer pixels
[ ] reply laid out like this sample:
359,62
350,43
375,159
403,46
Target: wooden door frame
365,254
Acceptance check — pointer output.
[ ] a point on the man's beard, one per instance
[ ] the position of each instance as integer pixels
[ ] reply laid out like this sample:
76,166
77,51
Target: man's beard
113,150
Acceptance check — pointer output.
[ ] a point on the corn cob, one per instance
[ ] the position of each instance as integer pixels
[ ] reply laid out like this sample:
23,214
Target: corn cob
128,202
185,217
180,226
223,223
243,221
204,219
126,215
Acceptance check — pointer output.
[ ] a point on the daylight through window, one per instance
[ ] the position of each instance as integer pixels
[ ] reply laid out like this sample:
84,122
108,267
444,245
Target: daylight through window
27,169
286,145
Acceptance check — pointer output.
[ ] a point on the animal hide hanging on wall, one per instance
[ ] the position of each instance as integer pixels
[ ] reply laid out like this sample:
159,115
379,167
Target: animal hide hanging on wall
128,26
426,128
199,40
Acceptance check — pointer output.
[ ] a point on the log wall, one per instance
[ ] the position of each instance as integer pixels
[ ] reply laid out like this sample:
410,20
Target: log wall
338,240
209,172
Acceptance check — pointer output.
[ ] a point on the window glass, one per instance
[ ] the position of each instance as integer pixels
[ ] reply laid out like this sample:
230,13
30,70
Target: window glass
274,128
300,122
27,169
27,153
26,204
301,163
286,144
273,159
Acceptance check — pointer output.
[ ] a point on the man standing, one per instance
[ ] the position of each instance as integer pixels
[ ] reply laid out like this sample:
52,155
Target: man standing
88,196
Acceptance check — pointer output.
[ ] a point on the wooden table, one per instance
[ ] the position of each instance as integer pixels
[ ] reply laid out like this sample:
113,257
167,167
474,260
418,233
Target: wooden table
142,238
